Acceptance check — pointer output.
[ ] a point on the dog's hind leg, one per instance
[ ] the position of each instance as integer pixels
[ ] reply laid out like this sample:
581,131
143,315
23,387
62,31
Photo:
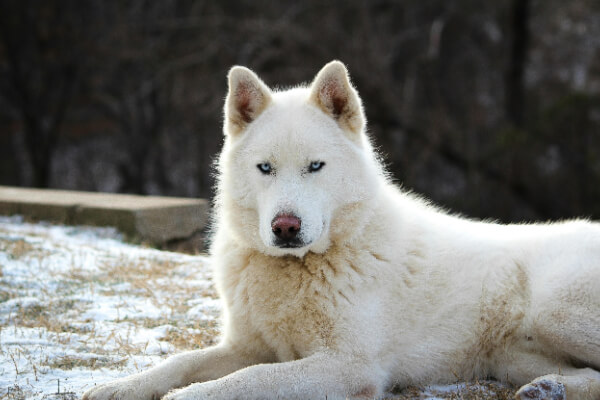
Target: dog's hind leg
565,325
572,384
545,378
566,322
574,337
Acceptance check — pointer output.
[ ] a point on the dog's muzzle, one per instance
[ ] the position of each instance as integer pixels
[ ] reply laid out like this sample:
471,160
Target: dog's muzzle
286,229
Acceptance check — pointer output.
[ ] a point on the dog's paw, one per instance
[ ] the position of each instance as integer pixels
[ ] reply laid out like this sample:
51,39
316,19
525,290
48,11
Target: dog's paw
542,389
108,391
122,389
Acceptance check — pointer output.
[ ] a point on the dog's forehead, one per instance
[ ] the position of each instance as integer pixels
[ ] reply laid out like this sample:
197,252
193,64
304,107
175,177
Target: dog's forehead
295,128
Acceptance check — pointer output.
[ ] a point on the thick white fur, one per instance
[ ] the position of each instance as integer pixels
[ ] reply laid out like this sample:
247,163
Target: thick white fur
387,290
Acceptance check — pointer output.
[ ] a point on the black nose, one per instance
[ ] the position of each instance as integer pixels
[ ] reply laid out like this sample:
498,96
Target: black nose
286,226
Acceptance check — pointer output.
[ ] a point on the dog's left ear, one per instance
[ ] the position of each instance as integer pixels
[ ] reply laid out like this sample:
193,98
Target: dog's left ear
247,98
332,92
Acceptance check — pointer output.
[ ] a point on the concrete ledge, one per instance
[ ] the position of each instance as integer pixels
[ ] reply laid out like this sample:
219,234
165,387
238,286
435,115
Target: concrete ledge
147,218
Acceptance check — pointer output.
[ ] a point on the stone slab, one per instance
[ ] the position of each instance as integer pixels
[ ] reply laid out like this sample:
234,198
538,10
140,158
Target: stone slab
155,219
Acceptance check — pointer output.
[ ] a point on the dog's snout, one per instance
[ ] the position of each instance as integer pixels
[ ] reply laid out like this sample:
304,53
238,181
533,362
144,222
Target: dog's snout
286,226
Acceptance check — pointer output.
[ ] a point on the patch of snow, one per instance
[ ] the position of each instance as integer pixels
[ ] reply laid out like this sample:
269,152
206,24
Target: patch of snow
204,309
68,315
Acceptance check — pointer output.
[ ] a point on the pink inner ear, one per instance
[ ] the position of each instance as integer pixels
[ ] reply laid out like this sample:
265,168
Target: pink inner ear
243,101
334,97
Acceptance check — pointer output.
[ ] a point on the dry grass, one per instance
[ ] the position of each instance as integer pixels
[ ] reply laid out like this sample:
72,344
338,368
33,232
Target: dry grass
486,390
49,285
70,362
16,248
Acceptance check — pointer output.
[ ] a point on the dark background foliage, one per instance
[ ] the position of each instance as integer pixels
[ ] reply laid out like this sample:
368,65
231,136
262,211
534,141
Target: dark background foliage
490,108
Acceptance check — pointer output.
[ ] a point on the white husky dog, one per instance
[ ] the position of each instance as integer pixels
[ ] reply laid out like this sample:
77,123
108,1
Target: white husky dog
337,285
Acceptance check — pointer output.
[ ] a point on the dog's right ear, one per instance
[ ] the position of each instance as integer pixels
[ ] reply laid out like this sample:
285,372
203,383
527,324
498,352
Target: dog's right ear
248,96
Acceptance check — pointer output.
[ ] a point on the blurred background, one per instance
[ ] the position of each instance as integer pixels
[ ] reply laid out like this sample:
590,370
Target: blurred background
490,108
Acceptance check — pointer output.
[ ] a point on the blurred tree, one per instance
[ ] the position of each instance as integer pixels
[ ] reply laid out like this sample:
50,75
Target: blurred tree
489,108
40,72
515,83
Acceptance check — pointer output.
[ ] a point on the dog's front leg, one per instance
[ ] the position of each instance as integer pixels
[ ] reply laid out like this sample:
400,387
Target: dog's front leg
177,371
321,376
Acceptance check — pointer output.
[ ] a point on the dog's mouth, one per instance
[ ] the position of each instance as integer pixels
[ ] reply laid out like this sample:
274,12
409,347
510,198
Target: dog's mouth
289,244
289,236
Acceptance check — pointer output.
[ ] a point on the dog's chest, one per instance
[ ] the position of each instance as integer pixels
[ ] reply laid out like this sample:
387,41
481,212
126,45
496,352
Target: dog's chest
294,309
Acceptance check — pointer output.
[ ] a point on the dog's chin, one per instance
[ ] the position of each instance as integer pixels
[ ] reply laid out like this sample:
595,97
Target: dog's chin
282,251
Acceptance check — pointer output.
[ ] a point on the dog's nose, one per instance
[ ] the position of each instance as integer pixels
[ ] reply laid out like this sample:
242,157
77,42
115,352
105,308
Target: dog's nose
286,226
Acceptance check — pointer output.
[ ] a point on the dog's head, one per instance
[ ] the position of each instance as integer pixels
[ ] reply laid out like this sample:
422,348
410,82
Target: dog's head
296,164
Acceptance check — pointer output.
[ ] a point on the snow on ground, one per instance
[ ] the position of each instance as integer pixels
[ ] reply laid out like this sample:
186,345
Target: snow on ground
79,307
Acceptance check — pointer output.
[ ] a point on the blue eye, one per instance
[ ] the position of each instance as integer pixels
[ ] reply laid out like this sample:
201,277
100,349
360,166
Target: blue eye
265,168
315,166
